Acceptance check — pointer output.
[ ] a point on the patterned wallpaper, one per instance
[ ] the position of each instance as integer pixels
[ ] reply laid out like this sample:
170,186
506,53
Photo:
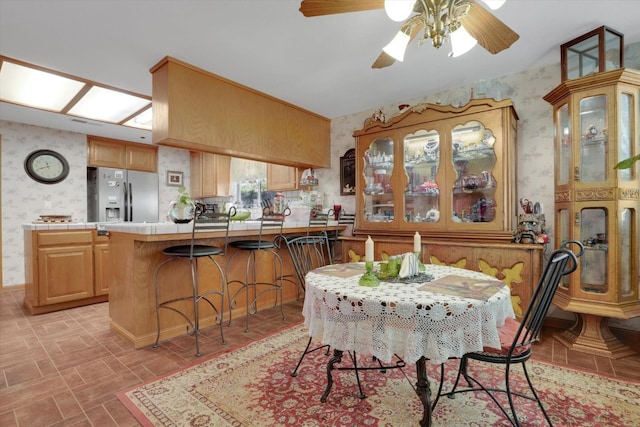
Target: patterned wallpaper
23,199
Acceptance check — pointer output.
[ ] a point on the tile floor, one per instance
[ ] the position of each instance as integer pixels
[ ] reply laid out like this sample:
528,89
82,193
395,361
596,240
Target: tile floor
63,368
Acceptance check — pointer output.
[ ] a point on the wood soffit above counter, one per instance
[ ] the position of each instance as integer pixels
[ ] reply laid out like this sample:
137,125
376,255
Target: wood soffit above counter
198,110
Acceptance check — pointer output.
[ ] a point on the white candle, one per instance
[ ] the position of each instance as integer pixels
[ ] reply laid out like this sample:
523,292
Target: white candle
368,249
416,242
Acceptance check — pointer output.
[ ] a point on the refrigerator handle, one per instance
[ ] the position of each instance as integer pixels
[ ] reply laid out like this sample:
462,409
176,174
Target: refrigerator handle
130,202
126,202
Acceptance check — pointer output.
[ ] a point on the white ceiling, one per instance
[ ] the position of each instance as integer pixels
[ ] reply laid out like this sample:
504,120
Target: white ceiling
322,64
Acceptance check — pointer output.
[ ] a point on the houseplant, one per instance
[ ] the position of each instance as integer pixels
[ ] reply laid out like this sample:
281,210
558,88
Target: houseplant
182,209
627,163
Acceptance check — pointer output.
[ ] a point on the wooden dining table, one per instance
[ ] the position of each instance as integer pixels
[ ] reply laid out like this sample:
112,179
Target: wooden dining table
441,313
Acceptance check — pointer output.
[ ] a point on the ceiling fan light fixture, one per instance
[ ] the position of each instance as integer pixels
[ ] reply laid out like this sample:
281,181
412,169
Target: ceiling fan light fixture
461,42
398,10
494,4
397,46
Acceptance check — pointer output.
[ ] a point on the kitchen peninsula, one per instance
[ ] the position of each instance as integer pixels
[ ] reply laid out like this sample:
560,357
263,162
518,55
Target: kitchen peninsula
136,251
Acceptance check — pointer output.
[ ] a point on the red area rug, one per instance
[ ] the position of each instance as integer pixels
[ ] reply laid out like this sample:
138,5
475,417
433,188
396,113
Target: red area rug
252,386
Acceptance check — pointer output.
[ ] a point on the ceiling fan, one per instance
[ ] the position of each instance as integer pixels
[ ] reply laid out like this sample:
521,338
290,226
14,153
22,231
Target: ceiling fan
464,22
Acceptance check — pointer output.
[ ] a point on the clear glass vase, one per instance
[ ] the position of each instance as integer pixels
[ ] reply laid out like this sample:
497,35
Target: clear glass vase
181,213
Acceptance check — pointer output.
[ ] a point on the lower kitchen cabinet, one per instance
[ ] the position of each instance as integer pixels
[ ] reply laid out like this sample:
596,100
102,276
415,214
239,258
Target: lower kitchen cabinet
64,269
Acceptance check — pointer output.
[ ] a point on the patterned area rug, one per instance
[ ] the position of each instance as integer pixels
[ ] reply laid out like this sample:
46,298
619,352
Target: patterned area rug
252,386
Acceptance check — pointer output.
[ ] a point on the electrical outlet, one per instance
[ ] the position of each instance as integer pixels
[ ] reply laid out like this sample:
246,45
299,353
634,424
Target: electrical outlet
47,204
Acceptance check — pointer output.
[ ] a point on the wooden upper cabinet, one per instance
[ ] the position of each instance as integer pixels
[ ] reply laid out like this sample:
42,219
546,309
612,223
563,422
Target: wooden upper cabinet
210,175
282,178
142,157
200,111
113,153
106,153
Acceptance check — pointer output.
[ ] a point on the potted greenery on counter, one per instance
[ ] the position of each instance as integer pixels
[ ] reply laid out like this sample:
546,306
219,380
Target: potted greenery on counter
182,209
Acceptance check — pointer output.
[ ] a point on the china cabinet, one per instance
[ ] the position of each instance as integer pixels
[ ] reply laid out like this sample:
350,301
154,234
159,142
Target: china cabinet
447,172
596,123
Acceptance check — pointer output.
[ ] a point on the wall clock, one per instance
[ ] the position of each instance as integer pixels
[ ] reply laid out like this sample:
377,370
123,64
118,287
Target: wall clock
46,166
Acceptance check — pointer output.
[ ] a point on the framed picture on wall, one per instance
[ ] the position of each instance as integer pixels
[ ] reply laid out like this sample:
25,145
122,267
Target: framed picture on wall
174,179
348,173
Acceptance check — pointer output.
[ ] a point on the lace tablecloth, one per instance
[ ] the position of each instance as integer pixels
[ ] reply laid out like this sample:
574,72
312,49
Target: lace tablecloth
409,320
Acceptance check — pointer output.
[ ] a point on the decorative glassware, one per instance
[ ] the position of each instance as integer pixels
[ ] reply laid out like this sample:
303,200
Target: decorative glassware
369,279
182,212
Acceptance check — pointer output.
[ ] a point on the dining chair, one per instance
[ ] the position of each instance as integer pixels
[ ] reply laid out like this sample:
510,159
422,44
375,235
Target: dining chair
517,337
204,220
346,220
308,253
263,244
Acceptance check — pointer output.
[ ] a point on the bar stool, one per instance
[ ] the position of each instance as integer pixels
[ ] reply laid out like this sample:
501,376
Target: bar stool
269,221
203,221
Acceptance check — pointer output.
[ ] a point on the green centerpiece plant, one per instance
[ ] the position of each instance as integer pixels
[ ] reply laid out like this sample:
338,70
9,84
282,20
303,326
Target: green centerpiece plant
182,209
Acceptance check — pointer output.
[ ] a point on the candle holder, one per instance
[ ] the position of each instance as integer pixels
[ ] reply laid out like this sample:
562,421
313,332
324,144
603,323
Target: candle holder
369,279
421,266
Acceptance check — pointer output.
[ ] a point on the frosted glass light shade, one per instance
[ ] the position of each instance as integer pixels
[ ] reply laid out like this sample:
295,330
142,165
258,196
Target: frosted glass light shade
461,42
494,4
398,10
397,46
35,88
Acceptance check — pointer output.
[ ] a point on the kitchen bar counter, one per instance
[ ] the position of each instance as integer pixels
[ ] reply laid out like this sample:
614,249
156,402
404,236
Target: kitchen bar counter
135,253
152,228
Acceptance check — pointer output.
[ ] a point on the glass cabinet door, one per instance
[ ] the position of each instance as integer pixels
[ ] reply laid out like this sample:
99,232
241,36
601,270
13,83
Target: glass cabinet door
421,163
593,140
378,189
563,147
594,224
473,158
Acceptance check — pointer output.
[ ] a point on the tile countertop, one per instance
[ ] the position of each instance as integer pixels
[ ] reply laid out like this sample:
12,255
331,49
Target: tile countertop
153,228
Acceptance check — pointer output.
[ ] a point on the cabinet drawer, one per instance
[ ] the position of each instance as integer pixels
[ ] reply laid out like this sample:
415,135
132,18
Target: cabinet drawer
64,237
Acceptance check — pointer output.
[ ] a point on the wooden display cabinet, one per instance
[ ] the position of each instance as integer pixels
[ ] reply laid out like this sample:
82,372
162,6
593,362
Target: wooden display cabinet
597,120
447,172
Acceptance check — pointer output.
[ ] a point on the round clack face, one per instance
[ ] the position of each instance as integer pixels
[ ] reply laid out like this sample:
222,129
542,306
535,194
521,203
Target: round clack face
46,166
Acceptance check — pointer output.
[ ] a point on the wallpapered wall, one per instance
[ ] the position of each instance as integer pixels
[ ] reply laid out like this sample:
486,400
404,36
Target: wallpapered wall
23,199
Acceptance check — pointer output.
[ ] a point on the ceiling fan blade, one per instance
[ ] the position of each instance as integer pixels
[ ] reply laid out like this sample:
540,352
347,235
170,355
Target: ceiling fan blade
384,60
416,25
332,7
491,33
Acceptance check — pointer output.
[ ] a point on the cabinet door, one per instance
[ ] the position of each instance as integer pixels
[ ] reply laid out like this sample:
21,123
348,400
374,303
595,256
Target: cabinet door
281,178
210,175
424,171
379,188
103,153
65,273
102,268
142,157
477,193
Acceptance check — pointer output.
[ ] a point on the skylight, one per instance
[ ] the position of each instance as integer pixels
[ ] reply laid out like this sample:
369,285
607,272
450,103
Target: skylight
36,87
